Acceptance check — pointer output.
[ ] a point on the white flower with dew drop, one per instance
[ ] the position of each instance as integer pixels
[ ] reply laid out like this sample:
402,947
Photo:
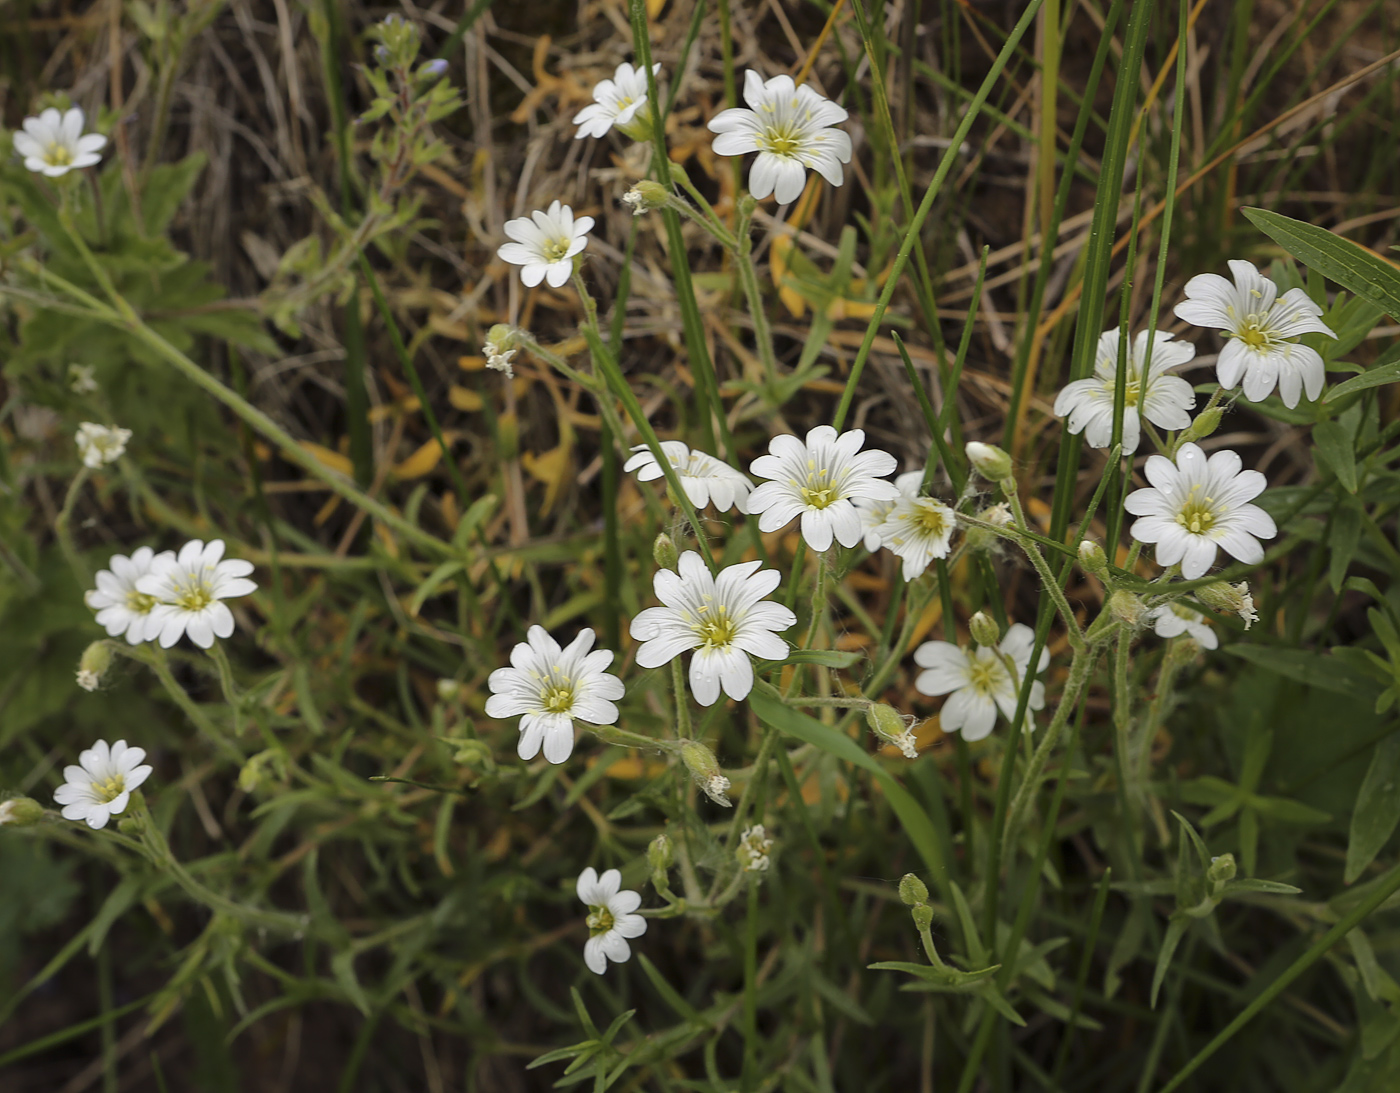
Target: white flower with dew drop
1171,620
54,144
549,687
122,609
981,680
704,478
100,786
190,588
1196,505
543,244
723,620
790,127
611,918
615,101
1162,399
1262,331
819,479
100,444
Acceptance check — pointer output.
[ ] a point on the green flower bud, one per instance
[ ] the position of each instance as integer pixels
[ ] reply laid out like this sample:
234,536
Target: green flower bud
20,812
448,690
892,727
1234,598
981,538
923,916
646,196
985,630
472,753
1126,608
912,890
1222,869
989,461
96,659
1092,558
663,552
704,768
660,854
1207,421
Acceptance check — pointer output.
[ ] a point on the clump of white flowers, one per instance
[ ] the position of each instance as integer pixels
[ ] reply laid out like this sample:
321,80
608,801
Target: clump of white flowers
616,103
790,127
1262,329
100,786
100,444
189,589
611,918
1163,400
543,244
54,143
548,687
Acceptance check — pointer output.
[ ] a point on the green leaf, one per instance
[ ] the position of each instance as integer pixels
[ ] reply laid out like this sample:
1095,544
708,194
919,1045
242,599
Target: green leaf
1385,370
1338,450
1312,669
1341,260
1176,930
827,658
1253,884
1342,540
771,711
972,940
1377,808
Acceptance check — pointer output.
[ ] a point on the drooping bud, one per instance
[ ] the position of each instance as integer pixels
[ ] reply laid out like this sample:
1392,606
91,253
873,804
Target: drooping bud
752,853
1092,558
1207,421
704,768
985,630
663,552
1126,608
20,812
646,196
912,890
96,659
1234,598
661,853
892,727
502,341
989,461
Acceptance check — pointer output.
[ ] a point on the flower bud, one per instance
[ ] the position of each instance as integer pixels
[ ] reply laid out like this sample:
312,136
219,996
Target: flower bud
97,658
752,853
645,196
985,630
923,916
989,461
978,538
469,752
663,552
1092,558
1222,869
20,812
892,727
1126,608
1207,421
1234,598
746,205
448,690
660,854
912,890
704,768
433,70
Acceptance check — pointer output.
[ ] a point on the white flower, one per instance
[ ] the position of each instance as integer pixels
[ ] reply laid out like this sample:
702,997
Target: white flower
1263,331
610,919
88,680
100,786
1171,620
191,588
122,608
82,379
544,244
981,680
1196,505
548,687
917,528
725,619
99,444
53,144
819,480
703,477
753,850
1164,400
872,513
615,101
789,127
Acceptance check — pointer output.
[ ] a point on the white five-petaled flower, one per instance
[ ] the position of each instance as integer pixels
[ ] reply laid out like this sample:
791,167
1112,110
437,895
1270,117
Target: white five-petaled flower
190,588
982,680
100,444
611,918
100,786
1164,400
615,101
703,477
819,480
543,244
54,144
917,528
724,619
790,129
1262,329
1196,505
548,687
1171,620
121,607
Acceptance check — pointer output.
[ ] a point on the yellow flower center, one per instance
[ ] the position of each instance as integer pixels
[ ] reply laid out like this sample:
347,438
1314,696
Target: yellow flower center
717,630
781,142
820,491
194,596
600,921
556,250
985,675
1197,516
557,697
139,603
58,154
111,789
930,518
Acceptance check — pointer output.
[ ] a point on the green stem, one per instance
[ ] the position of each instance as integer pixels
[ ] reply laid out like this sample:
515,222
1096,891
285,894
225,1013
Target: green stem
751,989
62,526
683,729
748,279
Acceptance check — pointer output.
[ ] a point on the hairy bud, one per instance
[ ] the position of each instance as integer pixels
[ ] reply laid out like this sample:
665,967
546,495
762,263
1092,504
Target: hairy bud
1222,869
892,727
1206,422
20,812
97,658
985,630
704,768
1126,608
663,552
661,853
1092,558
912,890
989,461
1235,598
